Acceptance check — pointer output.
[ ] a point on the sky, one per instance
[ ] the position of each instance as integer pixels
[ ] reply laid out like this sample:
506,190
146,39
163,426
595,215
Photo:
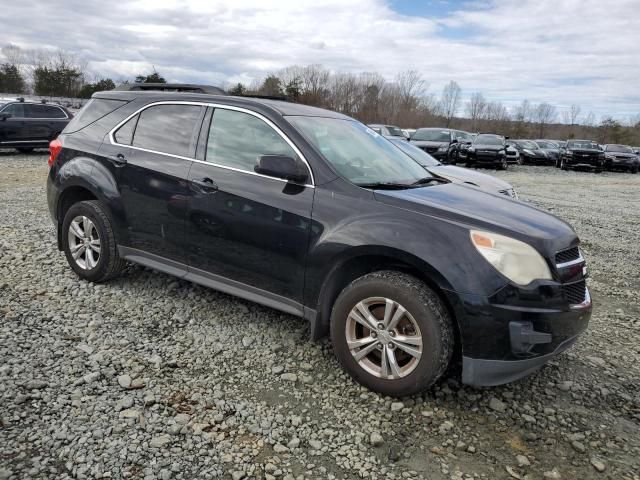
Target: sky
584,52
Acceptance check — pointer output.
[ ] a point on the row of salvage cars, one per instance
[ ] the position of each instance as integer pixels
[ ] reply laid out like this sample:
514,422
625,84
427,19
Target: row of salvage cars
449,146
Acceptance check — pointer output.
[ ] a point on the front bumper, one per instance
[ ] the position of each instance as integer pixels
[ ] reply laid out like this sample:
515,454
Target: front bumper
517,330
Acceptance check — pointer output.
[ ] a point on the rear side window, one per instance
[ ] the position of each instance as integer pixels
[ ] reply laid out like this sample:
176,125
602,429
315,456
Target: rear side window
237,139
15,109
94,109
124,135
44,111
169,129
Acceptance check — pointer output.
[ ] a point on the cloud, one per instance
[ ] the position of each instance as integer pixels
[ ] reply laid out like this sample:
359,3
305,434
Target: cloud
573,51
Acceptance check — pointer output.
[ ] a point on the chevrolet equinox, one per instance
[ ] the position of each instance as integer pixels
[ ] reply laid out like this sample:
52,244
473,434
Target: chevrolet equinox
312,213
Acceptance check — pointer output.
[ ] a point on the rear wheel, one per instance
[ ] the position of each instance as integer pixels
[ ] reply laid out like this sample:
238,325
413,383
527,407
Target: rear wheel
392,333
89,242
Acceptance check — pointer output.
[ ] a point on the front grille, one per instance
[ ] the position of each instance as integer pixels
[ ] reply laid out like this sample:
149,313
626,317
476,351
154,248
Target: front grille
567,255
575,293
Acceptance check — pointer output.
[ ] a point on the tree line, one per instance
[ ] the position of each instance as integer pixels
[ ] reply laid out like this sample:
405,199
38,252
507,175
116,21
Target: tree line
404,101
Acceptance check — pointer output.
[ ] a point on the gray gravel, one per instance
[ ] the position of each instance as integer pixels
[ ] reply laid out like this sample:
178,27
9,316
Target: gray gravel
150,377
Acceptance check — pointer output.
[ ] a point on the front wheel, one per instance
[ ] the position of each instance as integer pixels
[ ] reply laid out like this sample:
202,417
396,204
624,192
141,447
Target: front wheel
392,333
89,242
503,165
563,165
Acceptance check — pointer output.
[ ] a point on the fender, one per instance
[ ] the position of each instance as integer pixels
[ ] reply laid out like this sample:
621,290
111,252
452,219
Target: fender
88,173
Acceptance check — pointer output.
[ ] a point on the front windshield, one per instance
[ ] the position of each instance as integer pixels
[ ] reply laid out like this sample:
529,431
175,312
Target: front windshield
582,144
358,153
547,145
419,155
489,140
618,148
431,135
395,131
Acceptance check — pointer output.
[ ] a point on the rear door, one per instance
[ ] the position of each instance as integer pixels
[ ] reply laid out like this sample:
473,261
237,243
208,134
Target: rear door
152,154
44,122
243,226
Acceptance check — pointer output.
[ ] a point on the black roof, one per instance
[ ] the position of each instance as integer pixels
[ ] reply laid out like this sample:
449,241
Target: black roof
276,106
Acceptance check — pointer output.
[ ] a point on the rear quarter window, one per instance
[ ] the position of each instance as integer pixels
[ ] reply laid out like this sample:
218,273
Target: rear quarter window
94,110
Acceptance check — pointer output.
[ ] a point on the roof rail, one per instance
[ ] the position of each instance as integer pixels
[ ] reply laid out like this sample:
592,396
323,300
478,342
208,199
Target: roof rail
265,97
171,87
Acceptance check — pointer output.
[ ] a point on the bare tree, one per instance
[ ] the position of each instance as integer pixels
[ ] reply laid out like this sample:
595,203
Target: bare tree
590,120
450,101
574,111
544,114
476,107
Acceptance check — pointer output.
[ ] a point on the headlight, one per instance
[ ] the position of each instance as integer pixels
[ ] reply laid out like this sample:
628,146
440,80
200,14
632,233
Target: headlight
528,152
471,149
516,260
610,157
443,149
569,152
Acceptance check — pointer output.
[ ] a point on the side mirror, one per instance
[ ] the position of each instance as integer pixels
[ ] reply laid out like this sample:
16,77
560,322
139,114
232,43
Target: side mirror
281,166
4,116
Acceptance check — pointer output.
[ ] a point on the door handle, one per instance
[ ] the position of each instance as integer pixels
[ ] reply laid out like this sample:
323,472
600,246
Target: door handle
118,160
205,185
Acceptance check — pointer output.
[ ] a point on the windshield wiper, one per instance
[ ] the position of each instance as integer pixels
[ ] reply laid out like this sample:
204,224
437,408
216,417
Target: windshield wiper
386,185
425,180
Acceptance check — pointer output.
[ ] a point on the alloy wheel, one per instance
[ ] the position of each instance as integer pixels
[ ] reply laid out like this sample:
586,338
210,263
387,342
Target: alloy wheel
84,242
384,338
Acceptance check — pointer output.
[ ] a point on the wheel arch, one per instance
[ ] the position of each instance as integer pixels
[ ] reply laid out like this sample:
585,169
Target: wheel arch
363,260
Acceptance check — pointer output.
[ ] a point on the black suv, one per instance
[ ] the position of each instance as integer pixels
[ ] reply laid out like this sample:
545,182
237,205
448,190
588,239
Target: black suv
312,213
488,149
28,125
442,144
582,154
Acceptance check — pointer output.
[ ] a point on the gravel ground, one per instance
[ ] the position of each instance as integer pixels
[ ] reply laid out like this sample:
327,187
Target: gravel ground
150,377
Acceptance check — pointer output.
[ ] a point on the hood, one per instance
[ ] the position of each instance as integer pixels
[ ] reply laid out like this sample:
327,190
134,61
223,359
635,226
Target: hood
621,154
471,208
464,175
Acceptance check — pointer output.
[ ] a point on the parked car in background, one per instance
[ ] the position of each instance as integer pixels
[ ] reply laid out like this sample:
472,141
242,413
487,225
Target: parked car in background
456,174
388,131
488,149
582,155
513,154
312,213
465,139
552,150
408,132
531,153
441,143
29,125
620,157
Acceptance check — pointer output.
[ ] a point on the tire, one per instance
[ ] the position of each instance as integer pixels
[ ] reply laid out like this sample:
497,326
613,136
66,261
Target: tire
25,149
519,161
425,315
563,165
503,165
96,266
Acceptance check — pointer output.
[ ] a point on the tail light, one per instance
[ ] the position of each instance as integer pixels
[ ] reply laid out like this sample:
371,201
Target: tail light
55,147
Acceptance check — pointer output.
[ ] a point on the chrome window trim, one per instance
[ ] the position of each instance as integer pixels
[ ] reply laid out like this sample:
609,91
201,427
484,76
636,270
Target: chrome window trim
112,139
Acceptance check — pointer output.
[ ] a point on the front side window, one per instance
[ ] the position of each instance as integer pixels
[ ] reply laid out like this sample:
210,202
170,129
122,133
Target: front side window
168,129
358,154
394,131
15,109
237,139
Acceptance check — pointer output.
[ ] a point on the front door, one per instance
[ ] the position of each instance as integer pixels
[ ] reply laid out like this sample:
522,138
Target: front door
243,226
